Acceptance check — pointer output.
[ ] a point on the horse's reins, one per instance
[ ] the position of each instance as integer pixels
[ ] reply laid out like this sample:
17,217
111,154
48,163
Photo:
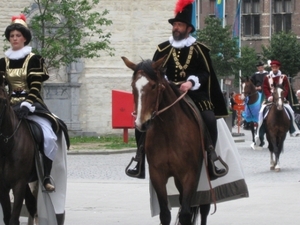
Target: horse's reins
157,112
6,138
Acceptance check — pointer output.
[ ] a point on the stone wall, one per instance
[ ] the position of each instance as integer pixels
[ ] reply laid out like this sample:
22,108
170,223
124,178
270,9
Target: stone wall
138,26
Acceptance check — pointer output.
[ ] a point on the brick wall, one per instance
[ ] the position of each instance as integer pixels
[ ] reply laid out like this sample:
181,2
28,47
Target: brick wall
138,26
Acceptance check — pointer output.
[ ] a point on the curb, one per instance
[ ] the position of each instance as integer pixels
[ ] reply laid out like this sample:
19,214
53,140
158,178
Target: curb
237,139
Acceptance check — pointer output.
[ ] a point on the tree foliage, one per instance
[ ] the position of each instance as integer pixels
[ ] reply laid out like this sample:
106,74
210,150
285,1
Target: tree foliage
285,48
224,48
66,30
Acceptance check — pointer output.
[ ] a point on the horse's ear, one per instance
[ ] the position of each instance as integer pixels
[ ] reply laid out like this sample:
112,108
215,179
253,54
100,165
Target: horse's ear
157,65
128,63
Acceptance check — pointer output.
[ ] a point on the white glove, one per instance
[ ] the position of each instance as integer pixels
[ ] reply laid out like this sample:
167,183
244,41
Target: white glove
270,99
28,105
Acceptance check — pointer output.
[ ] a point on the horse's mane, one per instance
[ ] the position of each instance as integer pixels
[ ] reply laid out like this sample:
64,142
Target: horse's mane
146,66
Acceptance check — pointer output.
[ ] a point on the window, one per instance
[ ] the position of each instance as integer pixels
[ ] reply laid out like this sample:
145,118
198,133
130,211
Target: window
212,7
251,17
282,15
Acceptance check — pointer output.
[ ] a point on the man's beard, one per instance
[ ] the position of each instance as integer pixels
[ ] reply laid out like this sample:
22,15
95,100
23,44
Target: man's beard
178,36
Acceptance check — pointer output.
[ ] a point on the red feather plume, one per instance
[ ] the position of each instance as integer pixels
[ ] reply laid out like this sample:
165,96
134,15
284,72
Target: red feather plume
181,4
21,16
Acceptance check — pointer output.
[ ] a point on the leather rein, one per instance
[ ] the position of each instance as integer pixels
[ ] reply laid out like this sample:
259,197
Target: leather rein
5,137
157,112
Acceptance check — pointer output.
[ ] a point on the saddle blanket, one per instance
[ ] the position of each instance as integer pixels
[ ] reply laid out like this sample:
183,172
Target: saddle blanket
231,186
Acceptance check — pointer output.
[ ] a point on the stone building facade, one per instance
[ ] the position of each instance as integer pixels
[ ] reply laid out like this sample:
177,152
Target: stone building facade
138,26
84,100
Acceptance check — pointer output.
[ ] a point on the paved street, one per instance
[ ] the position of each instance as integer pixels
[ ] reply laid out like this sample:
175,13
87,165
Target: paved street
99,192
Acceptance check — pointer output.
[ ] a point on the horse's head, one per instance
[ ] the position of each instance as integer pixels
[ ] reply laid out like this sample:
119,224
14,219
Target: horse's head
278,96
147,85
247,87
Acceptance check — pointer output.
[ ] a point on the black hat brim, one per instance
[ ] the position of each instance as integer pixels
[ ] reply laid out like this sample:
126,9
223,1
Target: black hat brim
171,21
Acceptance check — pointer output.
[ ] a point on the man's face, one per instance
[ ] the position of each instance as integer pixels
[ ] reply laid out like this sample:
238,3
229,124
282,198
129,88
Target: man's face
275,69
180,31
260,68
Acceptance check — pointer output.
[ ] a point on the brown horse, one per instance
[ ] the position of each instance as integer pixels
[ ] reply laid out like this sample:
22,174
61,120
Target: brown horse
174,141
16,162
252,99
277,124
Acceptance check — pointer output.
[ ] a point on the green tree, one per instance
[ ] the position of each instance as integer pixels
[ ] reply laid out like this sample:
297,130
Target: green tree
224,48
246,63
285,48
66,30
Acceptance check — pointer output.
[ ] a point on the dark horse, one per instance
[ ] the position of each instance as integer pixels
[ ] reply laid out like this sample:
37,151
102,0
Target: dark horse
16,162
277,124
252,99
174,141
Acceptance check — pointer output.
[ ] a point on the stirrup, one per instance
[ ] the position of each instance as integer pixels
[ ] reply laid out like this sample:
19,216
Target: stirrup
51,182
212,168
138,167
211,159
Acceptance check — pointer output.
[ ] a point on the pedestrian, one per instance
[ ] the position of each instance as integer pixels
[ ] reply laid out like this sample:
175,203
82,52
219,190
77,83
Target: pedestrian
232,106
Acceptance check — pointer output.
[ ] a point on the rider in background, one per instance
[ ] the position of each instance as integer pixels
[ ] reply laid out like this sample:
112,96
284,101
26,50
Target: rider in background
189,66
258,77
272,79
24,73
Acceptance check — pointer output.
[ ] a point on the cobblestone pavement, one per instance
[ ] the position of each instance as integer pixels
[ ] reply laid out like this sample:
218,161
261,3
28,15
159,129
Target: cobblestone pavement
99,192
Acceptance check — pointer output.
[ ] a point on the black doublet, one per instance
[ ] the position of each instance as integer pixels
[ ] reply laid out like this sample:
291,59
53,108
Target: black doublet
209,95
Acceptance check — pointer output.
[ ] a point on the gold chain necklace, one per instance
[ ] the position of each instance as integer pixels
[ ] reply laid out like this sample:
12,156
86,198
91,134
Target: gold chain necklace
188,60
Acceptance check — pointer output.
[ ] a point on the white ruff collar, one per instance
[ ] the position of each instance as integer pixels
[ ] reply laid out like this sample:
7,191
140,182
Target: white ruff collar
19,54
187,42
275,75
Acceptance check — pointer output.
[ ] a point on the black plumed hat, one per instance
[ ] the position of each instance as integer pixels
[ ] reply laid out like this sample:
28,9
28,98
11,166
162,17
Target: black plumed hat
184,13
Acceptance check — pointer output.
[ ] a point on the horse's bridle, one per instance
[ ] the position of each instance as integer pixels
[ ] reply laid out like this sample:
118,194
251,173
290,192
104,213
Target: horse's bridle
5,137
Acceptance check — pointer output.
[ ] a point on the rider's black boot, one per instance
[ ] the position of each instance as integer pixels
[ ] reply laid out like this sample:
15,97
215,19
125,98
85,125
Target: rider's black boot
60,218
139,170
215,172
48,181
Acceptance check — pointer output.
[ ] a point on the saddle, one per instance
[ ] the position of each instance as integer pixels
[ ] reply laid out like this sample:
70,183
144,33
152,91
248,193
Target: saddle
37,134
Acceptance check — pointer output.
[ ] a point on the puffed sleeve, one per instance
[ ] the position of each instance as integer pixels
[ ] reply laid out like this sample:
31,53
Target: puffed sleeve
36,74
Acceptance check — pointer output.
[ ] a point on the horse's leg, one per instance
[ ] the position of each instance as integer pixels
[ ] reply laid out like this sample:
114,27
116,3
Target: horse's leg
190,187
272,162
204,210
19,194
253,135
30,201
5,203
277,154
159,182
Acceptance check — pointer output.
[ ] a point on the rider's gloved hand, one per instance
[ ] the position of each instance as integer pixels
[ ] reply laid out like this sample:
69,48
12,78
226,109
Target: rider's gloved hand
23,112
270,99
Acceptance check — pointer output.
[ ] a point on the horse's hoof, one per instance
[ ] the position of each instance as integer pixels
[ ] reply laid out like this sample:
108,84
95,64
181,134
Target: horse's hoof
252,146
272,168
277,169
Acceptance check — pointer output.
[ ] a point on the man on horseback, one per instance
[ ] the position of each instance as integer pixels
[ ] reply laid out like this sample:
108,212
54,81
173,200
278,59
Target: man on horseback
189,66
24,73
270,81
